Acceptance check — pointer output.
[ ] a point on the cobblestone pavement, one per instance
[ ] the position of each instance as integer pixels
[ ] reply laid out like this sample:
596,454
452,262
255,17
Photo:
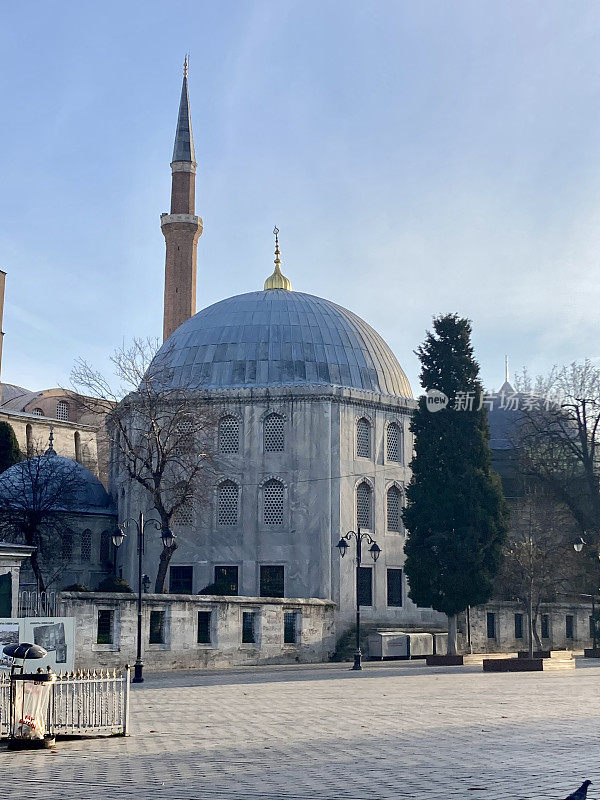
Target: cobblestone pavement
325,732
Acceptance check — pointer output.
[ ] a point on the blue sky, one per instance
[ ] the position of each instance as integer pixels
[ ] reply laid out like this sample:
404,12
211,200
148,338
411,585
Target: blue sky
418,158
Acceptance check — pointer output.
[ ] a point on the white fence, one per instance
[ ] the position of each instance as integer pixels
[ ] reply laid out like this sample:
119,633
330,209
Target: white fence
82,703
38,604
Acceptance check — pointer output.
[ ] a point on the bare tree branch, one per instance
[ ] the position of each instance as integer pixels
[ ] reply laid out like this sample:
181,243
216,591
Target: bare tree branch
163,439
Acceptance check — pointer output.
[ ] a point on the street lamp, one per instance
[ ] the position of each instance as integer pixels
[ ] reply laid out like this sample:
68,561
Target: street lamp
375,551
578,547
117,539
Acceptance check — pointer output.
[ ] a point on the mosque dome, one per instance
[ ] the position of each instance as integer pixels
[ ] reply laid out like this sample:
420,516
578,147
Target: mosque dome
279,338
54,483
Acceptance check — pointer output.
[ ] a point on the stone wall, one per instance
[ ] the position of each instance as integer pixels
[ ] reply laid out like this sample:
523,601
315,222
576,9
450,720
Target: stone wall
71,439
320,470
504,627
314,629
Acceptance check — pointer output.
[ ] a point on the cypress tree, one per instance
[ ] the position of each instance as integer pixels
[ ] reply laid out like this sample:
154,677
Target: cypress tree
9,447
455,514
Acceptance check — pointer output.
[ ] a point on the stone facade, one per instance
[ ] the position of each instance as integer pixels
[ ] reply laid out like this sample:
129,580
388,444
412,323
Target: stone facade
71,439
561,633
113,616
320,471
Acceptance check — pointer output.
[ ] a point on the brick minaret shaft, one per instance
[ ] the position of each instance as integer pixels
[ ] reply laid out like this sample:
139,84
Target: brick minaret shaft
181,227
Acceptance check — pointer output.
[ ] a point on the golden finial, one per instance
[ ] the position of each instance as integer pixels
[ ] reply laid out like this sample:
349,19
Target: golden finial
185,65
277,280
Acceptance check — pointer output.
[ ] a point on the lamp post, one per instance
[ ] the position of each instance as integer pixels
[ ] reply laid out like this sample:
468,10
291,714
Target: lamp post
117,539
375,551
578,547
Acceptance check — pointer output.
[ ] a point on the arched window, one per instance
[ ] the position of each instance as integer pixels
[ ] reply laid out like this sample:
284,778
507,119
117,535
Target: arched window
86,545
363,505
62,411
394,506
184,515
77,446
105,547
227,506
394,442
363,438
183,495
273,502
229,434
29,439
184,433
67,546
37,412
273,434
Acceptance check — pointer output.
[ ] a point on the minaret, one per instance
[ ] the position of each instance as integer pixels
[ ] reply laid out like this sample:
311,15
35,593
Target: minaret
181,227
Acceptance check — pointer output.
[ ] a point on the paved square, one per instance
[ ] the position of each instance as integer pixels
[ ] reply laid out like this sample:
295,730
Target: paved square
325,732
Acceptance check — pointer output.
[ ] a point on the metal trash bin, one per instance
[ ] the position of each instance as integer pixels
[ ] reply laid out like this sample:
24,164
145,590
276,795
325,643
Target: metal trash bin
29,698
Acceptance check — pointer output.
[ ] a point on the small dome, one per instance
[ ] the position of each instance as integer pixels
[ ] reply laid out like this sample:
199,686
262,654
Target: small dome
279,338
55,483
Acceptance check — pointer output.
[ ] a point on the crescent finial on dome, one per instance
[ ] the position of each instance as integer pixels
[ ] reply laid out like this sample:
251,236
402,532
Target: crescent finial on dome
277,280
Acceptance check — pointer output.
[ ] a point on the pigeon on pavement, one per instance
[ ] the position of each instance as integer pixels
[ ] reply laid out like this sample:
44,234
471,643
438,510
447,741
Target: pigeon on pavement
581,793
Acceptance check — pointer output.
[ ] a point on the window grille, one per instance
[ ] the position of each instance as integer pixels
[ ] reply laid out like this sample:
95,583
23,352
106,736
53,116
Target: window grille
569,626
86,545
62,411
105,547
491,625
394,496
229,435
104,633
271,580
185,435
184,515
394,450
226,580
545,626
273,502
67,546
273,434
157,627
363,505
249,627
204,627
227,511
37,412
290,627
363,438
518,626
181,580
394,588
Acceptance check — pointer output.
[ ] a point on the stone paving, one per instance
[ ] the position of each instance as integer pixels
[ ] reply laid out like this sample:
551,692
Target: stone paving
392,731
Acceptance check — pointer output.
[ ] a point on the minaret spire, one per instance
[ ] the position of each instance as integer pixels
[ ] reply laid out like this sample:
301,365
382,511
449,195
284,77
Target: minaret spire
506,375
183,150
181,227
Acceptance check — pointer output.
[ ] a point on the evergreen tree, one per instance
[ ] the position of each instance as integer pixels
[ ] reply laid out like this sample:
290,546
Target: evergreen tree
9,447
455,513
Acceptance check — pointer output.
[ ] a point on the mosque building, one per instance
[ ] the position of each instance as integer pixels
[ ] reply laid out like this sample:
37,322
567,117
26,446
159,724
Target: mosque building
313,435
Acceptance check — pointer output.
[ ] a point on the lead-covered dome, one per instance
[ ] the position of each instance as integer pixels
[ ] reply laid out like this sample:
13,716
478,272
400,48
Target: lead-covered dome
279,338
53,483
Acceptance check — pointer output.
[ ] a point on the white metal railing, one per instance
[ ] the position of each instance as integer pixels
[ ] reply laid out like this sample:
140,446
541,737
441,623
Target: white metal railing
83,703
4,704
38,604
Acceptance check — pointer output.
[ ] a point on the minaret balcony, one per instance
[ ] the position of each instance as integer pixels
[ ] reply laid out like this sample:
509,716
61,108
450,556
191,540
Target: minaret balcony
172,219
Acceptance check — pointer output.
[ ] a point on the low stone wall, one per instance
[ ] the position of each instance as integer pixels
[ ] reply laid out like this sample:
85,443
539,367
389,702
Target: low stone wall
106,630
505,630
